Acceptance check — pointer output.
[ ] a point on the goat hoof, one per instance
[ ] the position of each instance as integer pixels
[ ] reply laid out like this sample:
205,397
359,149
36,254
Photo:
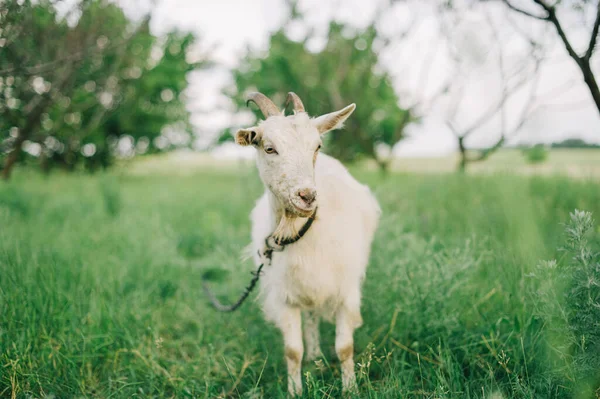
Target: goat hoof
350,391
311,357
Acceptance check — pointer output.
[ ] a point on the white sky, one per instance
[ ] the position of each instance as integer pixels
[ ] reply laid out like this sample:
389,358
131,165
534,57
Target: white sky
227,27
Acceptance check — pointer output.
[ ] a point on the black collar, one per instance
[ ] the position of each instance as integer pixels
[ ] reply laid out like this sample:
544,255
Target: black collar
278,245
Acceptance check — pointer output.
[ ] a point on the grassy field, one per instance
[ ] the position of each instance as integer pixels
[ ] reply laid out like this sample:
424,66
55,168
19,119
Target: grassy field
578,163
100,290
574,163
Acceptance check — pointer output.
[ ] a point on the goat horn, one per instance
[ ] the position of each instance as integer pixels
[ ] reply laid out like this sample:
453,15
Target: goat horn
264,103
293,97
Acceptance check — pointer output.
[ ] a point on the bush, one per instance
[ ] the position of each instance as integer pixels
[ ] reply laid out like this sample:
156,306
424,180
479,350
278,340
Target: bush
568,300
536,154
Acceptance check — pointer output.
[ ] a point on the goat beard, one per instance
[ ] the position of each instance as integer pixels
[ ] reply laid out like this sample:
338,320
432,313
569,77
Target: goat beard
287,226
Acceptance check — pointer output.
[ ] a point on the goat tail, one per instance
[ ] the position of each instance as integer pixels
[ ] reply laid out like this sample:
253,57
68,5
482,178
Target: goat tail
214,301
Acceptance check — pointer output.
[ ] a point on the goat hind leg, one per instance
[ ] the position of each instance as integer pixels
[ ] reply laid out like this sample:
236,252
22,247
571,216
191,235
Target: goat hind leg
310,325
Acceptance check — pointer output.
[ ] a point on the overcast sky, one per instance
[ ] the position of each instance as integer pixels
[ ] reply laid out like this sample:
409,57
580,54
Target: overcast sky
228,27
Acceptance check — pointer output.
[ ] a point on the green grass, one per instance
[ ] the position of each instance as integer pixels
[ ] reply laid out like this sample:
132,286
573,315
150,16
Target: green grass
100,291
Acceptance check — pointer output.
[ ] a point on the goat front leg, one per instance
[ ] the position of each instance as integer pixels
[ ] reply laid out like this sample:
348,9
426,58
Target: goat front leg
291,328
346,321
310,325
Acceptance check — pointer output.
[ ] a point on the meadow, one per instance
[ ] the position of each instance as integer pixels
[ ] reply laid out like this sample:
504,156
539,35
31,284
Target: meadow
100,289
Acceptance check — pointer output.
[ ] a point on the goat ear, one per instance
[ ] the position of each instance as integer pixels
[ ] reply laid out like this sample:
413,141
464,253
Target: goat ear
248,136
333,120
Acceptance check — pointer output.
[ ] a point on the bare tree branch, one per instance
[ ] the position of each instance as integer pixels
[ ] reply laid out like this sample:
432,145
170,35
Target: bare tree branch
514,79
491,112
583,62
521,11
503,78
559,29
594,37
531,100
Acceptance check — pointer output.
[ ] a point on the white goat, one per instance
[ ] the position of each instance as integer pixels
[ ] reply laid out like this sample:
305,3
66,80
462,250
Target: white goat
320,276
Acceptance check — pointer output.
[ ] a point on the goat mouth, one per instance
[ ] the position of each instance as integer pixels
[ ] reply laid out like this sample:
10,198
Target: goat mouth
303,211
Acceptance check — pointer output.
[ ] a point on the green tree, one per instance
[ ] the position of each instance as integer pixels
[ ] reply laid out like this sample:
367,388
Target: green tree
574,143
76,90
344,71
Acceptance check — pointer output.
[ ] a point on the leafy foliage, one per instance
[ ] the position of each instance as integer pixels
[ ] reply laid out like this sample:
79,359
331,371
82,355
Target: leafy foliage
344,71
569,301
536,154
574,143
80,93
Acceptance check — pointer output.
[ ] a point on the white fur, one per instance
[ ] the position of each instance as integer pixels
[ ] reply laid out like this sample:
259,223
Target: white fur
329,262
320,276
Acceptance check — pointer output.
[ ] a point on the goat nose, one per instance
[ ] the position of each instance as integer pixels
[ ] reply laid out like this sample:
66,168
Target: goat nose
308,195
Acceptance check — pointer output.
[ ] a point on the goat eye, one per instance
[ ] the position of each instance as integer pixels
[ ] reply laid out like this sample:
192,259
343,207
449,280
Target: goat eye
270,150
318,148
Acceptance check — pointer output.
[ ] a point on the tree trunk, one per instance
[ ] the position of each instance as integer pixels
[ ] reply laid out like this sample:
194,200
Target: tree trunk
384,167
590,81
582,61
462,164
13,156
44,163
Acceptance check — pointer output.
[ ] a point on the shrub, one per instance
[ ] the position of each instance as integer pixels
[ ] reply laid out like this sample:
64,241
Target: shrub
568,299
536,154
